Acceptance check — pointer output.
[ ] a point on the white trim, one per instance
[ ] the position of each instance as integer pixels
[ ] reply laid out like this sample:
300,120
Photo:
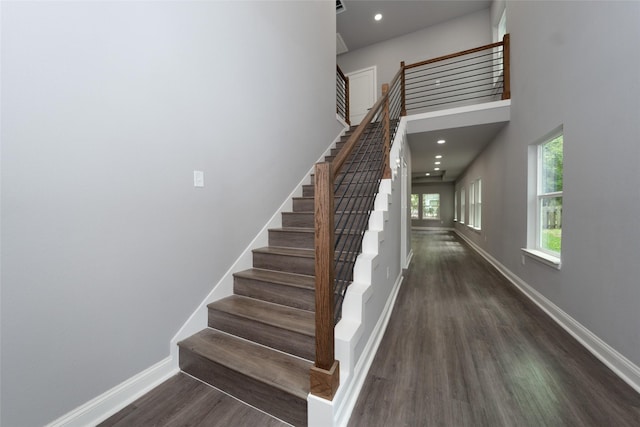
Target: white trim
620,365
432,228
343,123
409,258
354,384
108,403
543,257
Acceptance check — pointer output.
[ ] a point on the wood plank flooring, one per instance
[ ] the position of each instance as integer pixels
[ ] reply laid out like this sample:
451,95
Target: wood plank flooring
464,348
184,401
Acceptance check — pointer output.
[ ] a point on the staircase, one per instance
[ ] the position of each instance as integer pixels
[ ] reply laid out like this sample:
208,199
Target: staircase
260,342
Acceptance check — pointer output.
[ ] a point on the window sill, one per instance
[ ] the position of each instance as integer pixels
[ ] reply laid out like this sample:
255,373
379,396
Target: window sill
543,257
474,228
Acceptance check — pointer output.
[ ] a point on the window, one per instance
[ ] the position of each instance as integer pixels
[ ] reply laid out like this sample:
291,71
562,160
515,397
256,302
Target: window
499,32
549,197
425,206
455,205
544,241
415,206
431,206
475,204
462,206
477,222
502,25
472,204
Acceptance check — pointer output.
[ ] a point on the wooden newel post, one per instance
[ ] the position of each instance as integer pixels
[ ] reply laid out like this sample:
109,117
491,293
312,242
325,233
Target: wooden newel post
386,174
506,67
325,374
403,108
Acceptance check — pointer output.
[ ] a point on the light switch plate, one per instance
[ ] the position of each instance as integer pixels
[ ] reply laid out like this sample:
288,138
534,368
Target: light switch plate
198,179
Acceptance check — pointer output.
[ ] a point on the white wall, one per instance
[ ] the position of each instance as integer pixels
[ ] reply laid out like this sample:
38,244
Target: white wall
108,107
574,64
467,32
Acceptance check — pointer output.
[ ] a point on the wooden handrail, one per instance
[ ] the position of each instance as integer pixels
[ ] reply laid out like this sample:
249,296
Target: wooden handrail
342,156
453,55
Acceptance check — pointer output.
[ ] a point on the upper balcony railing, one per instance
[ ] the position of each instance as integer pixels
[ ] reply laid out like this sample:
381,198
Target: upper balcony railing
468,77
342,95
345,188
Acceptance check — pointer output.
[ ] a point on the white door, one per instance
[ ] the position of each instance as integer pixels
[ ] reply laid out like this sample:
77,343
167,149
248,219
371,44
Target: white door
362,93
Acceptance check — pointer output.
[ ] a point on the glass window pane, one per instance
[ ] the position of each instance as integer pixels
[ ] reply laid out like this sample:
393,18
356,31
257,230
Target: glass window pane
455,205
415,205
430,206
551,224
551,166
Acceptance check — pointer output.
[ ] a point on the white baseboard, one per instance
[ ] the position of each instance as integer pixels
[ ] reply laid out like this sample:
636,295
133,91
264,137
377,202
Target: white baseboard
620,365
409,258
110,402
356,380
432,228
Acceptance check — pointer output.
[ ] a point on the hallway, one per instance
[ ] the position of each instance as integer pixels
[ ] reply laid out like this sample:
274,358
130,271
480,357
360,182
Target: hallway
464,348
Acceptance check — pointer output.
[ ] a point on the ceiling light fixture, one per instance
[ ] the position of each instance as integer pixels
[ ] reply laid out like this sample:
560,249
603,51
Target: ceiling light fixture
436,169
441,141
437,163
439,156
427,174
378,16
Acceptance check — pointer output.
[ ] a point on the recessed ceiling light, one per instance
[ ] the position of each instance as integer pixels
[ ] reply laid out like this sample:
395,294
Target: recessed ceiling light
427,174
441,141
437,163
436,169
378,16
439,156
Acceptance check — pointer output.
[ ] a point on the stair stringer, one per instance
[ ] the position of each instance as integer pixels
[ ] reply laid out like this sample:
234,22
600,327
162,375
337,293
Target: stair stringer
369,299
224,288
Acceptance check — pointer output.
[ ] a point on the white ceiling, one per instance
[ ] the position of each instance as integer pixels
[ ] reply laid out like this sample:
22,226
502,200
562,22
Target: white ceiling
462,145
358,28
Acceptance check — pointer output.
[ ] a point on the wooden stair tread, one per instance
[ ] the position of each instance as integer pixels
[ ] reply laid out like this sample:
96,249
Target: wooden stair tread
274,250
281,316
279,277
279,370
279,250
313,213
337,197
312,231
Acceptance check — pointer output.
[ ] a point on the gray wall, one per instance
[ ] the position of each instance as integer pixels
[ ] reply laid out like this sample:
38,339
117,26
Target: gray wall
108,107
574,64
458,34
446,191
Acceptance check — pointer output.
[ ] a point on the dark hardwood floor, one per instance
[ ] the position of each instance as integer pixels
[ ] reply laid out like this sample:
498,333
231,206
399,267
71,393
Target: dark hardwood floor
184,401
464,348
